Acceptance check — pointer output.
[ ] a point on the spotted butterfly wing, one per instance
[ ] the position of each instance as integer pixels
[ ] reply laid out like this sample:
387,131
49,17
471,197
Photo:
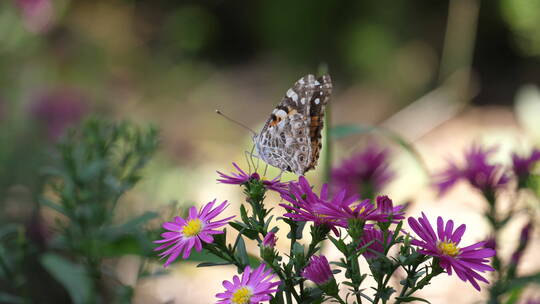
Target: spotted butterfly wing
291,137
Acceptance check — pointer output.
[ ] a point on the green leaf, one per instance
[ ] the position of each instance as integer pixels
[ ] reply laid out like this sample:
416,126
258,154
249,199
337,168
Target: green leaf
72,276
211,264
10,299
131,225
127,244
243,229
523,281
241,251
54,206
411,299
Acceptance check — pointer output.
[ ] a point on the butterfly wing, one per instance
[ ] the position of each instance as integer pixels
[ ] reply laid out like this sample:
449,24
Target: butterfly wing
291,137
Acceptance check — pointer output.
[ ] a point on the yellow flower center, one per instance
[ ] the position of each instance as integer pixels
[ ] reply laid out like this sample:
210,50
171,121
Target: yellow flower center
448,248
192,228
241,296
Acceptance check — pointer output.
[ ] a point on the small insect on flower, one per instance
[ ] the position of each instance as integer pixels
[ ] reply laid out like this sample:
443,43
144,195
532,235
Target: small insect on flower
184,234
466,262
253,287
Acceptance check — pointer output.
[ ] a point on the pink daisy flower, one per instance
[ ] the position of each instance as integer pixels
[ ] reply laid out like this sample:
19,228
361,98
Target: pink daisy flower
466,262
252,288
185,234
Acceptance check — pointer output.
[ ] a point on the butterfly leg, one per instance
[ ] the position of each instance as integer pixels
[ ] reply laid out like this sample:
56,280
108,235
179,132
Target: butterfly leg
265,169
280,173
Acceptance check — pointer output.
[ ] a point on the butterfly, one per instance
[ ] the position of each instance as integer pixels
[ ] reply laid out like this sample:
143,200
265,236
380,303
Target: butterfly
291,137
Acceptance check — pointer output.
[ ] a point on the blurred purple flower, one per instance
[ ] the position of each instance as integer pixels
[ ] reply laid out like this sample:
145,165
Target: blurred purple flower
58,110
306,205
522,166
318,270
374,235
37,14
477,171
466,262
524,238
365,173
241,177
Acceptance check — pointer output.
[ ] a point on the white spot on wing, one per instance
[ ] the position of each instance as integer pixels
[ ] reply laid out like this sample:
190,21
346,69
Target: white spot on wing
281,113
292,94
317,101
303,100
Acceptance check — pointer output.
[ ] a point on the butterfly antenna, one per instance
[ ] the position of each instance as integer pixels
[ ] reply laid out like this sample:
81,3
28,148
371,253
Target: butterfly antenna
236,122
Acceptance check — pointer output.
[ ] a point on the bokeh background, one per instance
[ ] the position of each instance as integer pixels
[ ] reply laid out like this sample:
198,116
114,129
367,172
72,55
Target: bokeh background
440,74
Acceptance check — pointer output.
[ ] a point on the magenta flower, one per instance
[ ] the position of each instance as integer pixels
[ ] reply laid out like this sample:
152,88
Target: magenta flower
365,173
385,207
318,270
242,177
522,166
466,262
306,205
184,234
477,171
342,210
57,110
254,287
376,236
270,240
37,15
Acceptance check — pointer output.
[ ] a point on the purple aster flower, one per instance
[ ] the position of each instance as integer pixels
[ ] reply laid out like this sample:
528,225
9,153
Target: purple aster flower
306,205
466,262
252,288
318,270
385,207
184,234
376,236
270,240
344,209
491,243
57,110
365,173
37,14
242,177
522,166
477,171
